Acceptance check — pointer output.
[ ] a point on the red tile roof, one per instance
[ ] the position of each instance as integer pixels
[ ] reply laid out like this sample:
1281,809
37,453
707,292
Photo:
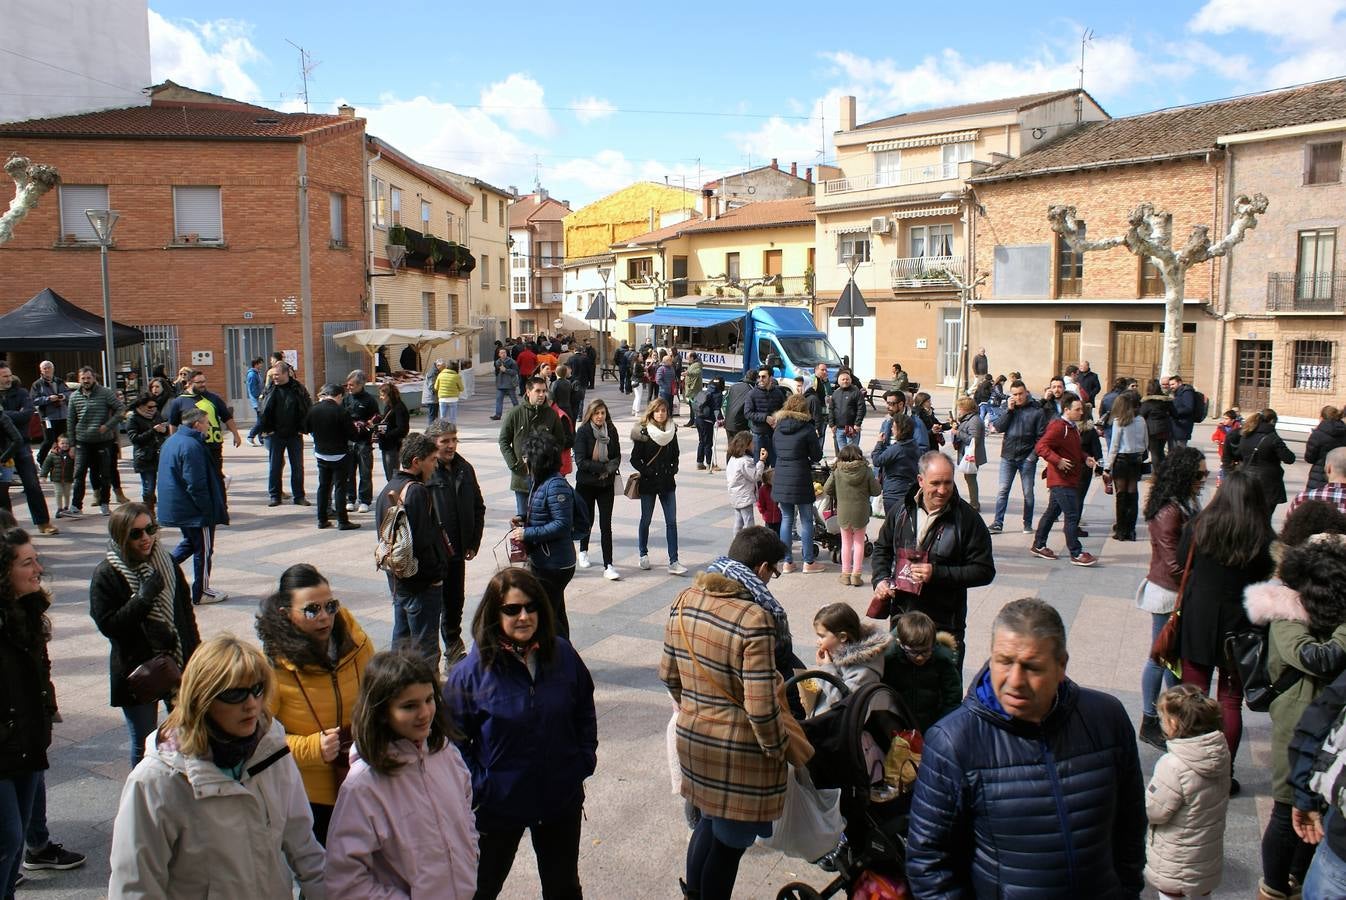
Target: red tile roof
165,120
1175,133
659,234
981,107
760,214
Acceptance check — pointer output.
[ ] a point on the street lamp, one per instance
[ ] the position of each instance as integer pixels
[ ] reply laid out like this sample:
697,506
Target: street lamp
103,221
605,272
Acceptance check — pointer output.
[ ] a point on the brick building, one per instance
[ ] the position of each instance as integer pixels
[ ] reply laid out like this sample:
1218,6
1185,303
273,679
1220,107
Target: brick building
536,261
241,230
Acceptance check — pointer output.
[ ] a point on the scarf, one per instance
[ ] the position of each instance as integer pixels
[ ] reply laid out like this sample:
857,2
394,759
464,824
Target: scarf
600,443
661,436
761,595
229,752
522,651
162,610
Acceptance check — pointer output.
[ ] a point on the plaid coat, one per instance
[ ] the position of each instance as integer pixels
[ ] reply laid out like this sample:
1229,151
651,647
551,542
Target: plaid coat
731,753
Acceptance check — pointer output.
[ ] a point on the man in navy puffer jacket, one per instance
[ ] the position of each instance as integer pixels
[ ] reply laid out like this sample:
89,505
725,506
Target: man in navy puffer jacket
1031,788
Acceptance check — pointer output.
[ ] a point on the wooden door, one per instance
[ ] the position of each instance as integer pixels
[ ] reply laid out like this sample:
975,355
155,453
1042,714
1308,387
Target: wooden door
1138,350
771,263
1252,375
1067,345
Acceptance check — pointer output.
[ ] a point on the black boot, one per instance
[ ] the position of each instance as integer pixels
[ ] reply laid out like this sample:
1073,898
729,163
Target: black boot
1151,733
686,891
1132,512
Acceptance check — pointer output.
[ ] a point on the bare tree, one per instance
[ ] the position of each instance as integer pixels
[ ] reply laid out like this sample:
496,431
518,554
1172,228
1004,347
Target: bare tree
1150,236
31,181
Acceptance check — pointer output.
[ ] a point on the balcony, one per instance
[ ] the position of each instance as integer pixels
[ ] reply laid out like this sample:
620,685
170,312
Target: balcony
785,289
925,271
892,178
549,262
551,296
1288,292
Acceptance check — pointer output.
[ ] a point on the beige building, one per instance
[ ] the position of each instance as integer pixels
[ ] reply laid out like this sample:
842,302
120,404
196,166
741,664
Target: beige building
537,255
897,208
486,234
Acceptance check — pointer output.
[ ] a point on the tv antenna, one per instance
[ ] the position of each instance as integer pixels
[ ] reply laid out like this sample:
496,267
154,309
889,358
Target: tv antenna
1086,39
306,67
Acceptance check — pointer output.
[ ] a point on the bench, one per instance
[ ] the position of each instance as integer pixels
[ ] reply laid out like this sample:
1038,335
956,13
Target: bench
876,389
608,372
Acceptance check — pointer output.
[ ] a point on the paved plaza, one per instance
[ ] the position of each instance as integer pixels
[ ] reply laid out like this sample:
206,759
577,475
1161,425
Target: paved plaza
634,836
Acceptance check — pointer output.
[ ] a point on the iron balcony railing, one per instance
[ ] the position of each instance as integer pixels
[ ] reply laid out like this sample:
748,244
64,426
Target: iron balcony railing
1292,292
925,271
783,287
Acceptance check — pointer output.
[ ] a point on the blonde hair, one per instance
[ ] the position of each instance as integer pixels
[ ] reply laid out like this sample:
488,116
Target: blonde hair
966,403
656,405
217,665
796,403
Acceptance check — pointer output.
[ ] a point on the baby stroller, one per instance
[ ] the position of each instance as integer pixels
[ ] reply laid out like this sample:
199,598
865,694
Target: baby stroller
826,528
876,813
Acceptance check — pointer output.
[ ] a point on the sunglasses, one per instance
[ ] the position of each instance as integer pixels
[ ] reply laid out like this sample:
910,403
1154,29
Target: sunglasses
235,696
514,610
313,609
138,533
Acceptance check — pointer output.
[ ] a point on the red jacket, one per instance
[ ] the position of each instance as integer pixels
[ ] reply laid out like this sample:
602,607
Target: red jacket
527,362
1060,441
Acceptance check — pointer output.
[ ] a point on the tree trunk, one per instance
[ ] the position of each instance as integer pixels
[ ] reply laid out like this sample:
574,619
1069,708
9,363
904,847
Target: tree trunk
1173,293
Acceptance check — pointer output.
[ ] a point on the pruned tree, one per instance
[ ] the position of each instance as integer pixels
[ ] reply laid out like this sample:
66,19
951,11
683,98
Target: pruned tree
31,181
1150,235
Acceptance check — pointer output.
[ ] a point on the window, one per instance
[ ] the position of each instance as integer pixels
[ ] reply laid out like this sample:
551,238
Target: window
395,194
381,315
75,199
504,276
485,271
732,268
1313,273
1323,163
931,240
378,203
429,315
952,154
528,326
639,268
425,216
1151,281
336,204
519,288
1313,365
484,207
1069,267
853,243
453,310
887,167
518,260
500,210
196,211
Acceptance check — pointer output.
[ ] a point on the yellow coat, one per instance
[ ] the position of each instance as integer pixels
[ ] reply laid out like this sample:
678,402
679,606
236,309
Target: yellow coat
303,692
448,384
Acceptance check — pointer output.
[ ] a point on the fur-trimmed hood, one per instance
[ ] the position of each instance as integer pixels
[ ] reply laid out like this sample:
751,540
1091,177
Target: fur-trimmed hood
1268,601
874,640
790,422
718,585
947,640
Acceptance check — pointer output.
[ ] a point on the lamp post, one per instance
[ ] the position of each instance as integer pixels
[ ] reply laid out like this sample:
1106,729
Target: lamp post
605,272
103,221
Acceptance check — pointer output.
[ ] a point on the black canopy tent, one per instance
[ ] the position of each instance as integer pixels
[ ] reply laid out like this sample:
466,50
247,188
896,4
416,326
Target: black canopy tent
51,322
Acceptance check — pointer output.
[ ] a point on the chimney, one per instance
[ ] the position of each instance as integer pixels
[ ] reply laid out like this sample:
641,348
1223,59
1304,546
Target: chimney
847,113
808,174
542,195
773,163
346,111
794,169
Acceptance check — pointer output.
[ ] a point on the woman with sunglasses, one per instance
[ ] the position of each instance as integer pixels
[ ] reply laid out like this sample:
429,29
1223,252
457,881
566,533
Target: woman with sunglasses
141,603
217,808
525,703
319,653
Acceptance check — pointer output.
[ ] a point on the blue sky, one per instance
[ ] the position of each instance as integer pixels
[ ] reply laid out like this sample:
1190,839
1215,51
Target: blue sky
589,102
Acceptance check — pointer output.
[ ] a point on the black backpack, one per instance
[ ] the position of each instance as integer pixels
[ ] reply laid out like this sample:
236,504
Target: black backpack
1200,406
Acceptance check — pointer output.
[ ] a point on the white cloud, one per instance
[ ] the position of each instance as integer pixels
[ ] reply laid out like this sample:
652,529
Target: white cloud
209,56
518,100
591,109
1310,35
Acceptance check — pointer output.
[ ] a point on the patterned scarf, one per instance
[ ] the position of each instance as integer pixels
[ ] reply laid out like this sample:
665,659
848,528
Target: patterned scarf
761,595
162,610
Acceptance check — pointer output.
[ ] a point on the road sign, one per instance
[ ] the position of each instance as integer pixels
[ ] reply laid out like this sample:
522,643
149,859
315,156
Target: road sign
852,303
850,323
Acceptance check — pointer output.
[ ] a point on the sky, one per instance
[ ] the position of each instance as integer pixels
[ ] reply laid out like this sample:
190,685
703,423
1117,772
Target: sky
587,102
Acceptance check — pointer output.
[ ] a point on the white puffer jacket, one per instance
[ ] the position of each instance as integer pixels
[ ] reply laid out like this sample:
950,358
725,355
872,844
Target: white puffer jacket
857,663
1186,803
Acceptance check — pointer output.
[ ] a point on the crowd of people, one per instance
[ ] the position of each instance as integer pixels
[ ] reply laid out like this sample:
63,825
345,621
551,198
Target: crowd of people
312,757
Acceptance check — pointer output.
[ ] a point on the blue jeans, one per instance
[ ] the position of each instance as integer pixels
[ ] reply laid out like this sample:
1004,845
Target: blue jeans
788,513
37,836
764,440
1064,501
500,394
199,544
705,442
416,618
276,451
141,720
16,810
1154,677
448,411
1326,878
256,422
667,500
1026,469
520,502
840,439
148,480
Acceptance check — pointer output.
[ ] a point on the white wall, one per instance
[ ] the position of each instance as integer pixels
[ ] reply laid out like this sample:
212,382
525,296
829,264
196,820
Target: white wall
107,40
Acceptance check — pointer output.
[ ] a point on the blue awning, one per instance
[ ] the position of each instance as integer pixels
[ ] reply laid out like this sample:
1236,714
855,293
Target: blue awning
688,318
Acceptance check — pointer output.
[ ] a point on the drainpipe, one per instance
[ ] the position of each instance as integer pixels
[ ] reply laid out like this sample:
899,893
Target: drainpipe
1223,329
305,280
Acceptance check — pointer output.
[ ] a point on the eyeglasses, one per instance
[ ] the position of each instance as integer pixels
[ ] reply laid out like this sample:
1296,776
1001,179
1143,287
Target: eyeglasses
514,610
235,696
774,573
138,533
916,652
313,609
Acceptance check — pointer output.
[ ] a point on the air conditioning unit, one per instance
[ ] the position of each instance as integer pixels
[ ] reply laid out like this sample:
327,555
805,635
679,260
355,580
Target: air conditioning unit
880,225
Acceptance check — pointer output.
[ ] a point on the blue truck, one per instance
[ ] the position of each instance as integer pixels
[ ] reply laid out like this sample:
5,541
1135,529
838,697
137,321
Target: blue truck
734,341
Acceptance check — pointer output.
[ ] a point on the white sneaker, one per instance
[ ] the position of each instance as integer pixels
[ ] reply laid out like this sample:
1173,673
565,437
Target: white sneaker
213,596
677,568
610,573
364,507
104,509
350,507
645,563
583,559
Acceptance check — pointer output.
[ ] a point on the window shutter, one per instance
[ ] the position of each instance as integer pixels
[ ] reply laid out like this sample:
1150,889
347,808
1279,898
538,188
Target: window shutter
75,199
196,210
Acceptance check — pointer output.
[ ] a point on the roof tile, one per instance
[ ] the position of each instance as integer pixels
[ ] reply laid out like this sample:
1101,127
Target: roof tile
981,107
176,121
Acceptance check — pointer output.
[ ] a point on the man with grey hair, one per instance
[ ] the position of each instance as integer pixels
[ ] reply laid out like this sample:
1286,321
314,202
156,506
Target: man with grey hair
1334,491
51,397
1032,787
364,411
931,549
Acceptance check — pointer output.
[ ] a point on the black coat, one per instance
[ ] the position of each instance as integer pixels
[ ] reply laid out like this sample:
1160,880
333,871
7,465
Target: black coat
760,404
658,466
1328,436
960,550
122,619
588,472
145,441
362,406
1158,413
398,420
282,409
847,406
797,449
331,427
1261,454
27,697
1212,604
427,539
459,505
735,416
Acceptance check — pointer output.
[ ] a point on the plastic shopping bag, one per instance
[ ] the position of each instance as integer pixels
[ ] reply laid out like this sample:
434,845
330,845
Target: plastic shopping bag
674,767
811,824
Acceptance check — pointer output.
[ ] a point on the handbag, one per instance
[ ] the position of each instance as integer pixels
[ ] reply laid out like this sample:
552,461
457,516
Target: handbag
154,679
1165,650
632,487
1249,652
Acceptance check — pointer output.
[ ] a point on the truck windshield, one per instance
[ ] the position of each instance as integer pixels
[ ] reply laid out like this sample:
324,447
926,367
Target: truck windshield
807,352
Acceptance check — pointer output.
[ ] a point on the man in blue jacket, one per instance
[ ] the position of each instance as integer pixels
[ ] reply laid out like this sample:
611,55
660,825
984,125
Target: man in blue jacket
191,497
1031,788
760,406
1022,423
1184,410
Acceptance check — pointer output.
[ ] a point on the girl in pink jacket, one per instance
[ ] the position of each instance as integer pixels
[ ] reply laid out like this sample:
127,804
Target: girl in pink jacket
403,824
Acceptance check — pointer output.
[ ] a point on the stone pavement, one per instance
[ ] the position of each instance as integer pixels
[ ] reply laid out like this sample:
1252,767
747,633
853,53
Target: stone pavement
634,837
